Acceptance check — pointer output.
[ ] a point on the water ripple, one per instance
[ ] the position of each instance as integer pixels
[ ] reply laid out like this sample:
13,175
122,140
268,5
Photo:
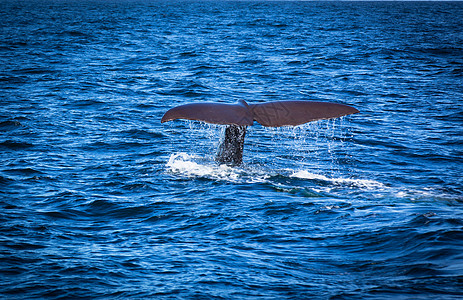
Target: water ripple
100,200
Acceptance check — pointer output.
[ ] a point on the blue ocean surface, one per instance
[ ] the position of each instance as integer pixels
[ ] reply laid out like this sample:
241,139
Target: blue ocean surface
100,200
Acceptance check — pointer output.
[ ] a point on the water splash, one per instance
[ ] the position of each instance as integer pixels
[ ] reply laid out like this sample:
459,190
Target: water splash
196,166
289,179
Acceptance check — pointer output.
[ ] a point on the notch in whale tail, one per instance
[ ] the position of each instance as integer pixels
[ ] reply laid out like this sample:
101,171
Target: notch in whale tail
270,114
239,115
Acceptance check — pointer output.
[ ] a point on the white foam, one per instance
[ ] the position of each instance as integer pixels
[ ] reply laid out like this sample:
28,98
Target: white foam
195,166
363,183
189,166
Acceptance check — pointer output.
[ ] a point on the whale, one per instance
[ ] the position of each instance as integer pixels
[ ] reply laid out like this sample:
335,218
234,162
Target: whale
237,116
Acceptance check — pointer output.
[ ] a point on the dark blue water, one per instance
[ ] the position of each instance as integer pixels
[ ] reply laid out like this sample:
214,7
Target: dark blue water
100,200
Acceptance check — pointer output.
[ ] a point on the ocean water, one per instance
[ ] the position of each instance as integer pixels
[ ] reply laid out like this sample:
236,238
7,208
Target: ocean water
99,200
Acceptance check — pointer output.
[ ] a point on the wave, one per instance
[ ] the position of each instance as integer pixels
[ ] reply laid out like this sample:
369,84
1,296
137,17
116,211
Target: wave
364,183
142,134
187,165
15,145
9,125
303,182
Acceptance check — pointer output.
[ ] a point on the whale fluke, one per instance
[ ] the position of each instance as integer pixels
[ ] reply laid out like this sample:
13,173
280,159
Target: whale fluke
239,115
270,114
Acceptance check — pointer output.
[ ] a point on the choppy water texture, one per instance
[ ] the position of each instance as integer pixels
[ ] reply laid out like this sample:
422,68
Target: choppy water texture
99,200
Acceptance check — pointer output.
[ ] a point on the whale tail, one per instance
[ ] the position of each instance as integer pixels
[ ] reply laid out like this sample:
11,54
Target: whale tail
270,114
239,115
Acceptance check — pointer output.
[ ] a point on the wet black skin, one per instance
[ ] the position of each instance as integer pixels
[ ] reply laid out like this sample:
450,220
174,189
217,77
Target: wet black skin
230,150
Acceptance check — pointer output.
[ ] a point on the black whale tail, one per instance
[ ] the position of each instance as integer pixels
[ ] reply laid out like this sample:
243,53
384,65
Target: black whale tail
241,114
